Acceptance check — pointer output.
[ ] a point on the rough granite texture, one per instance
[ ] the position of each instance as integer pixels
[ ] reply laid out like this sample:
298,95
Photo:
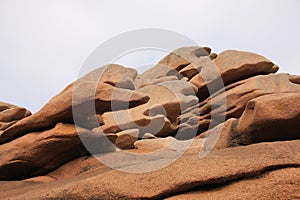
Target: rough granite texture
197,125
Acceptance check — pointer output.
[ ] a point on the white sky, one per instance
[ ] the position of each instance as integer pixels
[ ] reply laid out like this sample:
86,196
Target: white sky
44,43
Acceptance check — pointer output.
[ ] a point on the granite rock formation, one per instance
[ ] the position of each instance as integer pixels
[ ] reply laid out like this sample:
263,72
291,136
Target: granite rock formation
226,125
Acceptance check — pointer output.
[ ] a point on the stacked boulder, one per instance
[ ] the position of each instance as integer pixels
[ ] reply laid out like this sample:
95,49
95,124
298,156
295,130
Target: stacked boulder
191,93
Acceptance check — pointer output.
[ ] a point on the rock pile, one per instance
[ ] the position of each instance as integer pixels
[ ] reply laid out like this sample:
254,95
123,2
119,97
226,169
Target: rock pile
193,100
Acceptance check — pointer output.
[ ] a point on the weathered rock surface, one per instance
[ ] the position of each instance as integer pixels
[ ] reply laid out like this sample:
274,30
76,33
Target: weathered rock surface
232,102
236,65
159,115
40,152
149,136
221,136
98,88
126,139
278,184
205,71
168,143
270,118
221,167
246,117
10,114
175,61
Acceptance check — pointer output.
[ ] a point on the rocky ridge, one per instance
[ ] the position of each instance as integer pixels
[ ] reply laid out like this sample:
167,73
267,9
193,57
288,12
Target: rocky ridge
232,107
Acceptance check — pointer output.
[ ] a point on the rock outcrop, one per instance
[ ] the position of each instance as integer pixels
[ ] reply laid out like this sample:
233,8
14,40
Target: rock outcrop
266,118
10,114
202,125
232,102
102,87
41,152
218,173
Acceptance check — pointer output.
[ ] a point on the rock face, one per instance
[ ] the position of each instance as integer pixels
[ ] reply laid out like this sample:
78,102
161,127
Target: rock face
105,88
202,125
215,173
159,115
267,117
10,114
41,152
277,184
237,65
232,102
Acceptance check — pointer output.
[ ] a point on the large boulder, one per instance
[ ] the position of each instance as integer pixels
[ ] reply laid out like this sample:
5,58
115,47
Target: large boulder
270,118
236,65
209,72
267,118
232,102
98,89
41,152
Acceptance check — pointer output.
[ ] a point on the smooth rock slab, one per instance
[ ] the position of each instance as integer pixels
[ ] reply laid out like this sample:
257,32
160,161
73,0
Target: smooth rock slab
187,173
281,184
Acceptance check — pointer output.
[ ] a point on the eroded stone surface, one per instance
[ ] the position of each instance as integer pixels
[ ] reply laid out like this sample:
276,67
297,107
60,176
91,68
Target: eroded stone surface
40,152
159,113
10,114
223,166
125,139
96,89
236,97
270,118
277,184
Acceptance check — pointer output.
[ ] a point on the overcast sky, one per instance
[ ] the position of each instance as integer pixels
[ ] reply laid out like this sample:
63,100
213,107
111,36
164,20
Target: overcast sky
43,43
